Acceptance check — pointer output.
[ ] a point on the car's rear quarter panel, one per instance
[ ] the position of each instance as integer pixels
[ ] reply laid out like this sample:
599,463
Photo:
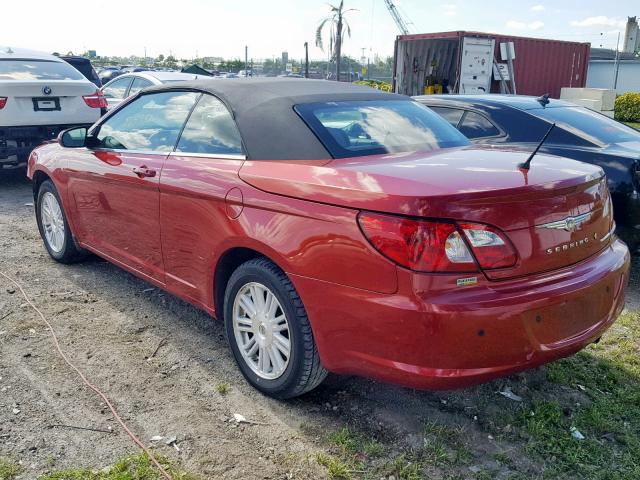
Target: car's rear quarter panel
304,238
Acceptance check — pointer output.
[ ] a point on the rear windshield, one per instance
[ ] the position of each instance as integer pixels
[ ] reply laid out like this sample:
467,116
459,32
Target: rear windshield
589,125
17,69
352,129
84,67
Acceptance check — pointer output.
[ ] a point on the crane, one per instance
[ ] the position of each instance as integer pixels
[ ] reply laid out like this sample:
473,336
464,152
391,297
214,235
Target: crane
403,25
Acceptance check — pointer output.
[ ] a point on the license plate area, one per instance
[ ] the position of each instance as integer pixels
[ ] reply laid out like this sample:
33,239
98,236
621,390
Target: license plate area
560,322
46,104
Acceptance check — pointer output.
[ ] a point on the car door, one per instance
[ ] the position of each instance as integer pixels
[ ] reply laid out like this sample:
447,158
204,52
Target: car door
116,91
114,182
200,198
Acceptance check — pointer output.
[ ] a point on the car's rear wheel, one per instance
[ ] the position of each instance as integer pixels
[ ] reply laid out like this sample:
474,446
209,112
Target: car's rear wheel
269,332
54,227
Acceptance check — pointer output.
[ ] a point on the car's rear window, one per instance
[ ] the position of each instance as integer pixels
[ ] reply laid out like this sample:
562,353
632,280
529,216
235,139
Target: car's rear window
28,69
359,128
84,67
588,125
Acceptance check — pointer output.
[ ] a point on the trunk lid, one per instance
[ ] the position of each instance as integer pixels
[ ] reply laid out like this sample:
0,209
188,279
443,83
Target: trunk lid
60,103
472,184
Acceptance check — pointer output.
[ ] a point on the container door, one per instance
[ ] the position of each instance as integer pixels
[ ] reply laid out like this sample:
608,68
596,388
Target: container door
476,65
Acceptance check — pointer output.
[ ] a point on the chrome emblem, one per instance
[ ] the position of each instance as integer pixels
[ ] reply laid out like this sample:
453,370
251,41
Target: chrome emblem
46,90
569,224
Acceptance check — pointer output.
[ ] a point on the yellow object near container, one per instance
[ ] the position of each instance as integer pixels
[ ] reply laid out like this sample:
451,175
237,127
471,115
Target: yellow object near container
433,90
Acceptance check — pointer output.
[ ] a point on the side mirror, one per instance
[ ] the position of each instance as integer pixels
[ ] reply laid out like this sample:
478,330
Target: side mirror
73,137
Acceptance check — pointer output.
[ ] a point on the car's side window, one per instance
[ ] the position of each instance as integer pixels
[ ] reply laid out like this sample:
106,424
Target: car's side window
475,125
138,84
210,130
451,115
152,122
118,89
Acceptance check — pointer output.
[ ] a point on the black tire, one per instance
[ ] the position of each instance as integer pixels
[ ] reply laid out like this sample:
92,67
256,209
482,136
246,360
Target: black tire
304,371
70,252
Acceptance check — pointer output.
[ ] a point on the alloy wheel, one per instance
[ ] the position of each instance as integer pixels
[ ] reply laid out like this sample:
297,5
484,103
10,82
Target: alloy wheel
261,330
52,222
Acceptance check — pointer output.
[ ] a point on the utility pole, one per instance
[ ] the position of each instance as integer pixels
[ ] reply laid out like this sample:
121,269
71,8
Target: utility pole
617,64
306,60
246,61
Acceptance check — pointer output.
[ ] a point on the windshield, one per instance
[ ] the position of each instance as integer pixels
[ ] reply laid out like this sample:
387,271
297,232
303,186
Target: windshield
351,129
17,69
589,125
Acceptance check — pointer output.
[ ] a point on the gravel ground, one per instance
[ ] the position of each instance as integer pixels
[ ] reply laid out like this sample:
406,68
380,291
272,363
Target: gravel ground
110,323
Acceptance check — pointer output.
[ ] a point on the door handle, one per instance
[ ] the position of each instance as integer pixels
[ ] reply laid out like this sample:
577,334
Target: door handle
144,171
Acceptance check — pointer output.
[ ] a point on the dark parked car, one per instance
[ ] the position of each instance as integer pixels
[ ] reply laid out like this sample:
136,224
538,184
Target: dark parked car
83,65
580,133
109,73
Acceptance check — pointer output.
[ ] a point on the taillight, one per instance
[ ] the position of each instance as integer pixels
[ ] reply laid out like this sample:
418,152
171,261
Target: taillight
434,246
490,247
3,102
96,100
420,245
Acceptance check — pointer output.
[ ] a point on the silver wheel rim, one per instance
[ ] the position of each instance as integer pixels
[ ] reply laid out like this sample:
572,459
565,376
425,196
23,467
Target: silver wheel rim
52,222
261,330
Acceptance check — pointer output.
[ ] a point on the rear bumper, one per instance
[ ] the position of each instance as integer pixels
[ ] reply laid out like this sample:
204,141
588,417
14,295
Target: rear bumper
432,334
16,143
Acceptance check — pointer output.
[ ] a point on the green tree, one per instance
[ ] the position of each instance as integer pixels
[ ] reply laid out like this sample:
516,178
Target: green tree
338,26
170,62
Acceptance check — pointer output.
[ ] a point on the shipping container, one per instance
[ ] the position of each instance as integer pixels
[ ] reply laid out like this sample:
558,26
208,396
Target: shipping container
474,62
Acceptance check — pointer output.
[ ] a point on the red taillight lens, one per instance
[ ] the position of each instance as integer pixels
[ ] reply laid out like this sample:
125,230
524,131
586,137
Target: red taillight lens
491,248
96,100
3,102
433,246
420,245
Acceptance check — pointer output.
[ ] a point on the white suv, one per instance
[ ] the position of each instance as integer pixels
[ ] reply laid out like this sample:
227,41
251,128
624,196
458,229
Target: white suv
40,95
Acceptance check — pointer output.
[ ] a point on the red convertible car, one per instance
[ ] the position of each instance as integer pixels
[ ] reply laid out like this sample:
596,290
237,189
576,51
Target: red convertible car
337,228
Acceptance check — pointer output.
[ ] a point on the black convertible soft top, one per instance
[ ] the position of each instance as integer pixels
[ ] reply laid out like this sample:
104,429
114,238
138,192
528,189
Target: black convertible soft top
263,111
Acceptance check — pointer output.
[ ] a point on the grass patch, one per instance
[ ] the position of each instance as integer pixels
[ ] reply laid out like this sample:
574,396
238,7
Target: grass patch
8,469
350,444
444,445
222,388
609,375
137,467
635,125
336,468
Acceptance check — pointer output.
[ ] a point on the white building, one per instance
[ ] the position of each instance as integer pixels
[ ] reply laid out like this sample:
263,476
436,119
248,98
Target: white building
631,40
602,68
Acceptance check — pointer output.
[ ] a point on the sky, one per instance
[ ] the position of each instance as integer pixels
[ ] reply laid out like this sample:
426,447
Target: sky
222,28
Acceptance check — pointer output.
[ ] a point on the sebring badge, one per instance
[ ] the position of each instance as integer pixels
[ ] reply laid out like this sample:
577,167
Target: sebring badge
570,224
46,90
568,246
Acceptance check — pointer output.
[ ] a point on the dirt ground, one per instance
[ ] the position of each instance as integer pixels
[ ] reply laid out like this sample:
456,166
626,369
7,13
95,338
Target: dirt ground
110,323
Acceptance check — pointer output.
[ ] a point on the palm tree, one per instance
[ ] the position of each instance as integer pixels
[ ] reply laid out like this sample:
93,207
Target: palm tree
338,26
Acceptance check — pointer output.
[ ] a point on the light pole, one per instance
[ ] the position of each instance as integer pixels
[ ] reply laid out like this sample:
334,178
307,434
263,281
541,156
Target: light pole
246,61
617,64
306,60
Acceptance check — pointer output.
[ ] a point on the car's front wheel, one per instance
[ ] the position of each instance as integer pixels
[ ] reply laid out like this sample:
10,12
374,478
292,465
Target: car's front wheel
269,332
54,227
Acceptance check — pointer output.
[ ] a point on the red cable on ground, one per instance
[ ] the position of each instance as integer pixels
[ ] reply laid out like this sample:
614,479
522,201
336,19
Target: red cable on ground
133,437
